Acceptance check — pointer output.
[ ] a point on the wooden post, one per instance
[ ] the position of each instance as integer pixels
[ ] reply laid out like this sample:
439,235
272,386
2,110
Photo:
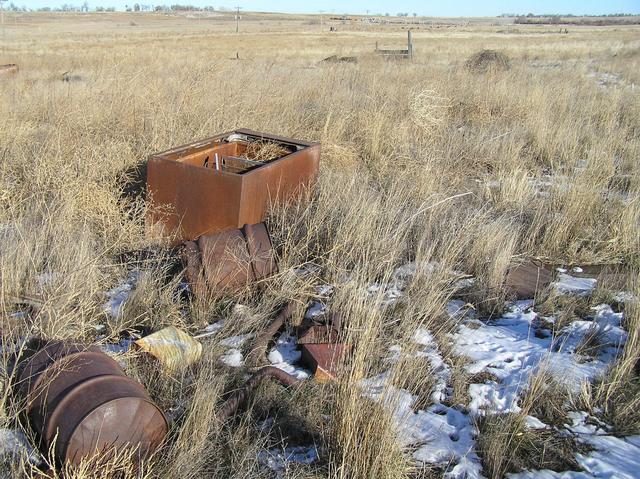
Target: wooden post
410,45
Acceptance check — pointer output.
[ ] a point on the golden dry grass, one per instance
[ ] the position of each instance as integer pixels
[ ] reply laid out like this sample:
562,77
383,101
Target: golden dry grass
423,161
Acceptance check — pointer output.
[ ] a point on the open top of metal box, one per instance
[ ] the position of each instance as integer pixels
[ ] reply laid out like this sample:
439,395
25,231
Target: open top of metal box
236,152
227,181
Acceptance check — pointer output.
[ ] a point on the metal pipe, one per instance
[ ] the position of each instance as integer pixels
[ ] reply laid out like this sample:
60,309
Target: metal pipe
257,355
231,405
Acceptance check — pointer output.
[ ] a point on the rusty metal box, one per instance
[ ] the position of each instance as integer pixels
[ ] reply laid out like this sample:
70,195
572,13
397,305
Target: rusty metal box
226,181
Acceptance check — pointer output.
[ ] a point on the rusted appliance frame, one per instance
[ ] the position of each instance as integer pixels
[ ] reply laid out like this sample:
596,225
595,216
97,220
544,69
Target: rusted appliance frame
191,196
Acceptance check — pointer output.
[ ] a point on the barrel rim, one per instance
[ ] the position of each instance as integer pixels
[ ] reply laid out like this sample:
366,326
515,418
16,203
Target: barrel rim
37,398
51,422
65,451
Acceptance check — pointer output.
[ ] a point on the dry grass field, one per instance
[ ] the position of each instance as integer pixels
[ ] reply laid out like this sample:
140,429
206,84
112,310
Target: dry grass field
430,171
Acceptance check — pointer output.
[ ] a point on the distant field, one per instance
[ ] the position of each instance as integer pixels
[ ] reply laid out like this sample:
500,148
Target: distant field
437,176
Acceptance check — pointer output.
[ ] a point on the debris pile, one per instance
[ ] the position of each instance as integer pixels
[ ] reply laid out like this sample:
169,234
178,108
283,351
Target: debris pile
488,60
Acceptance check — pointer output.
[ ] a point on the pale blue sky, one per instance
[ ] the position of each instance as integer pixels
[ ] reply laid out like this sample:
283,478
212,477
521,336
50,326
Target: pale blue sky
424,7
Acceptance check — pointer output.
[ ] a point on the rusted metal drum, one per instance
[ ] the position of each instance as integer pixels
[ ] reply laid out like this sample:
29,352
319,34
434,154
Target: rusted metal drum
79,400
263,261
229,260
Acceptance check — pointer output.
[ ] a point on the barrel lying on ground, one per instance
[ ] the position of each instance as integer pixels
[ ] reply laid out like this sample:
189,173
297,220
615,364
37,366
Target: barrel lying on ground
79,401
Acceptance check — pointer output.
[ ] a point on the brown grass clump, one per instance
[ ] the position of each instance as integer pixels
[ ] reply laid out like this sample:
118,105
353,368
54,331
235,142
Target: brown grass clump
488,60
506,445
263,151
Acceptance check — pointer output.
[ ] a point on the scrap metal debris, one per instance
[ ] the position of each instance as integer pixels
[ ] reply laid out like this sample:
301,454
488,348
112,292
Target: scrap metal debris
80,403
528,278
226,181
229,260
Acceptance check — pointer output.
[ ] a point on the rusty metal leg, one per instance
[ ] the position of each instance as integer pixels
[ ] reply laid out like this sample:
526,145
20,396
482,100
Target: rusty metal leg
231,405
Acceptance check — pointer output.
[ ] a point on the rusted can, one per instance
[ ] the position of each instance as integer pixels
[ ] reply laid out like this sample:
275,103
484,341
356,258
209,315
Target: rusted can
79,401
226,181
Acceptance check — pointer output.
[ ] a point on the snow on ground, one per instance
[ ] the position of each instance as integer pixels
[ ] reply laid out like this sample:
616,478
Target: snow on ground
440,435
510,350
118,296
568,284
438,368
285,355
279,460
14,445
611,457
232,357
392,291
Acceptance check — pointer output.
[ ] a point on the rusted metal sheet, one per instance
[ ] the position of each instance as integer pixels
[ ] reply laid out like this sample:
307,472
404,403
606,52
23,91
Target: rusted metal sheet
322,330
220,183
229,260
527,279
225,259
324,360
80,403
9,69
261,254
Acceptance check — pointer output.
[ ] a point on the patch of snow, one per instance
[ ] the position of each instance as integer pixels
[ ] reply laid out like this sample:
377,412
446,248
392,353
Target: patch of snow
509,350
567,284
546,474
232,357
625,297
613,457
458,309
235,341
14,446
117,348
533,422
577,269
285,354
439,368
324,290
215,327
315,309
278,460
440,435
118,296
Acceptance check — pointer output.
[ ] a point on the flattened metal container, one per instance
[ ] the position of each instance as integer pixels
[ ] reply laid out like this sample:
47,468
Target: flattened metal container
226,181
229,260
